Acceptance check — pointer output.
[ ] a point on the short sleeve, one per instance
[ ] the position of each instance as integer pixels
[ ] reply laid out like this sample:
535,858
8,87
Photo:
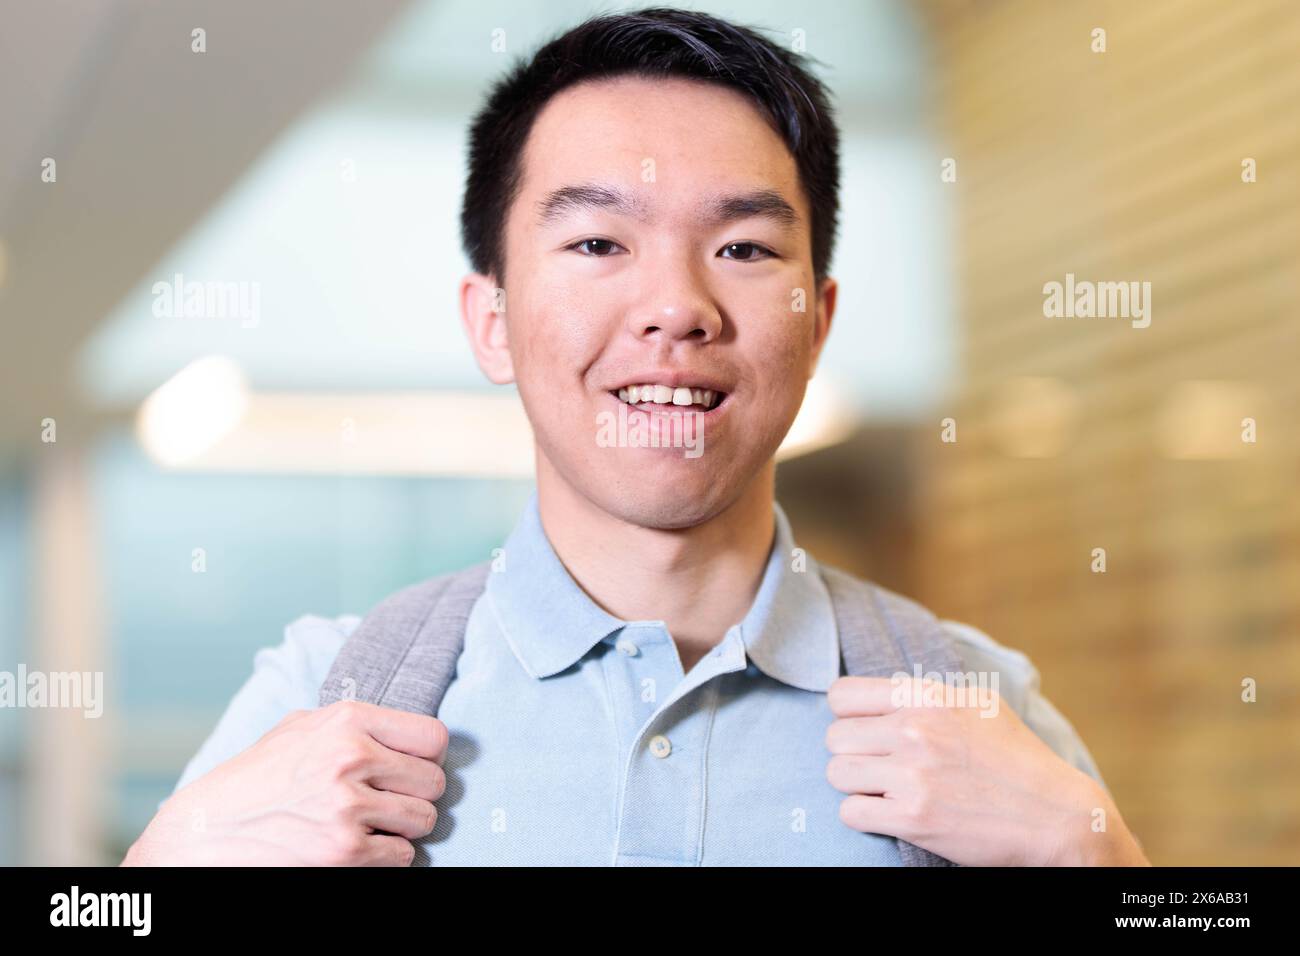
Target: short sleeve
285,678
1020,682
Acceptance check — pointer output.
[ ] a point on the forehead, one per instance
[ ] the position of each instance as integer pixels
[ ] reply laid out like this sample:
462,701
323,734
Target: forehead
697,138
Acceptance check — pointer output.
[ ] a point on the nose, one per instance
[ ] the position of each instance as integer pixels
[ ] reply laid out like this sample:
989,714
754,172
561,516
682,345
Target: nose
676,310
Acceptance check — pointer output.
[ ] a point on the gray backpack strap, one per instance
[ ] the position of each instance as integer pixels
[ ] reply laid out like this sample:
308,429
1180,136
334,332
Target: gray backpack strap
882,633
403,653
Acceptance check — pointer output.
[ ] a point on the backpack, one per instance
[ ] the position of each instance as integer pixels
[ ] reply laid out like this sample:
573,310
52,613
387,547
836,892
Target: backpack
403,654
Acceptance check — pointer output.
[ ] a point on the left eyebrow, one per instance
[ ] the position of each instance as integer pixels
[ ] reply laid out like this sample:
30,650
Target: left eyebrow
764,203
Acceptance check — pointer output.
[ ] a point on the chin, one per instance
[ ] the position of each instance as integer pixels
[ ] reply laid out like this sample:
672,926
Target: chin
668,511
668,493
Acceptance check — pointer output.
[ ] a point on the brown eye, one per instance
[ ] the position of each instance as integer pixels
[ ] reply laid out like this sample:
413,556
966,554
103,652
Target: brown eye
599,247
746,249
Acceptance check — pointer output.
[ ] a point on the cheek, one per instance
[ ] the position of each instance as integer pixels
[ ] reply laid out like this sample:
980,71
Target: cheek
784,349
554,332
779,338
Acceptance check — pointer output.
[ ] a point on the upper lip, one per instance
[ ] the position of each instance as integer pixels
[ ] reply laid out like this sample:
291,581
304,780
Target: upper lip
681,378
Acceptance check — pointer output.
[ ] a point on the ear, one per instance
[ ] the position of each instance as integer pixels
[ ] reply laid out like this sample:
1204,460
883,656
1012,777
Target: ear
483,313
822,316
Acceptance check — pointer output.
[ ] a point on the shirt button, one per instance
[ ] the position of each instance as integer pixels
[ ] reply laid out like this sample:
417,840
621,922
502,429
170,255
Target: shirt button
626,647
659,746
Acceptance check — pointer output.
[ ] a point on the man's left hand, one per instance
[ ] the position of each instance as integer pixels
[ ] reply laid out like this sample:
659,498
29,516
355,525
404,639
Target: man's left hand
965,778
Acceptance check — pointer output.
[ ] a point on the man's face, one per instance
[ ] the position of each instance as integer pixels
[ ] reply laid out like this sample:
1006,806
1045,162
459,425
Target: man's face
661,288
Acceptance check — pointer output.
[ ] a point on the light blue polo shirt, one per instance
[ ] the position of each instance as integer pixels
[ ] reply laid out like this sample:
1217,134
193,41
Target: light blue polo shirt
576,738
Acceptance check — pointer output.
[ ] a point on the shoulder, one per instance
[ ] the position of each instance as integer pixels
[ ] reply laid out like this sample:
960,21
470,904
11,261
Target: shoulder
288,675
310,644
285,677
1019,685
979,652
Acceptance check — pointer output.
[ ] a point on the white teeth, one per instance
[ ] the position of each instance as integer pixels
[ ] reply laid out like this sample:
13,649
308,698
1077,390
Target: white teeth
680,395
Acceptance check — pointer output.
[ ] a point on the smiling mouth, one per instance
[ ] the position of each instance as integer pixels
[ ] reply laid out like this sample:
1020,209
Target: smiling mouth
648,396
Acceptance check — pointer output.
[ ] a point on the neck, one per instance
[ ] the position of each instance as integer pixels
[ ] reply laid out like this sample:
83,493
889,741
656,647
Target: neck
699,581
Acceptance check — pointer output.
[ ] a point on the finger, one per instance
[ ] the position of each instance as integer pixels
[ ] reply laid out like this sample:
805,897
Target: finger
419,735
414,776
874,815
873,736
386,850
854,773
861,696
399,814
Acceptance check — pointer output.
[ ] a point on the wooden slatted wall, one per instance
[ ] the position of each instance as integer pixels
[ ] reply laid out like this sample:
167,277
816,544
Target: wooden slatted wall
1076,434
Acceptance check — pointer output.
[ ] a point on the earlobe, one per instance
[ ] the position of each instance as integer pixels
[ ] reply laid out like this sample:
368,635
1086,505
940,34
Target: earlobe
483,314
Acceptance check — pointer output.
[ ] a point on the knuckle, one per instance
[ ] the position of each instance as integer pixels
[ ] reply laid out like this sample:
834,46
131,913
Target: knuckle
350,755
345,806
927,759
920,812
850,814
347,712
353,847
936,722
439,782
910,821
438,734
345,849
922,744
833,771
832,734
839,735
841,773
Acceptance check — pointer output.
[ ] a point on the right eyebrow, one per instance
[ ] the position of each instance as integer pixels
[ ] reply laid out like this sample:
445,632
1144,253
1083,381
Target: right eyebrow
587,196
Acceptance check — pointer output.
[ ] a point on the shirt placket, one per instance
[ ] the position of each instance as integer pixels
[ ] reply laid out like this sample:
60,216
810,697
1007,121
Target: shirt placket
663,792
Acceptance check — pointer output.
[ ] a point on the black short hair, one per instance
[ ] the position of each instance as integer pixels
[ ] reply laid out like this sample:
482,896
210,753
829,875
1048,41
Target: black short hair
654,42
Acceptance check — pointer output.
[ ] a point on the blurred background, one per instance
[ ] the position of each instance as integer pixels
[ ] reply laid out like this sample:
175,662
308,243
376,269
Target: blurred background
1116,501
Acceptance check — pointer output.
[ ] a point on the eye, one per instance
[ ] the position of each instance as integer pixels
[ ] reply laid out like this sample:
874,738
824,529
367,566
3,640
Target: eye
596,244
746,248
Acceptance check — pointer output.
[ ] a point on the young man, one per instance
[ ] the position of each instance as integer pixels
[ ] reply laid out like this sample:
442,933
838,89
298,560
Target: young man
653,677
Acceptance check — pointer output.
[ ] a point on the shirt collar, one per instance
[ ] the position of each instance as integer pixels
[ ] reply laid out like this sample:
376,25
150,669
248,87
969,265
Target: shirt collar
550,622
790,630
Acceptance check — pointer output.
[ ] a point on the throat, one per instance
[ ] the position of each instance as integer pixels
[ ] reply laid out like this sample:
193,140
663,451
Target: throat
691,653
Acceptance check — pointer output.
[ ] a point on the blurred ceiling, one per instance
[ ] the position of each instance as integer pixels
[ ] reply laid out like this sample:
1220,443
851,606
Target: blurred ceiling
146,135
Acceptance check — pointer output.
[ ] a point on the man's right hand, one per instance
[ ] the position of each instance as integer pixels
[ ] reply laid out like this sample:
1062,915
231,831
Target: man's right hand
314,791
